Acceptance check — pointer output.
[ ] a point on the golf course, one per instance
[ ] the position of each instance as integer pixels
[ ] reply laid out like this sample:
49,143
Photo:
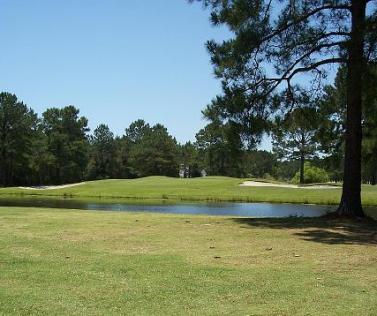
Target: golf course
74,262
192,157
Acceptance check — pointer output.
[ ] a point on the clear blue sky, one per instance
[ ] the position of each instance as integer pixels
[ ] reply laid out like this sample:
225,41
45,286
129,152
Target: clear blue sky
116,60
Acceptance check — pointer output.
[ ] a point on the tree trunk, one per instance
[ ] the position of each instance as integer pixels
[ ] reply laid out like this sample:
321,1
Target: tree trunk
302,169
350,204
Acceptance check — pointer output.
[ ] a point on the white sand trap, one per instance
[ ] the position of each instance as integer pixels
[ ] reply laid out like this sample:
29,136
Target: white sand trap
282,185
52,187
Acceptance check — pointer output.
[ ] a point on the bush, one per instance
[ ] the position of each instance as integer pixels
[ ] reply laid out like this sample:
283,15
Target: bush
312,174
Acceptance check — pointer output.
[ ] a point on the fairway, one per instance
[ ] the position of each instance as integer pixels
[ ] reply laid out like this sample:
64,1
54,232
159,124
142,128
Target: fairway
196,189
95,263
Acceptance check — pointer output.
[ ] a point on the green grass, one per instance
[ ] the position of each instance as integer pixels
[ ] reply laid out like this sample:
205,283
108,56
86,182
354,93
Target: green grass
65,262
199,189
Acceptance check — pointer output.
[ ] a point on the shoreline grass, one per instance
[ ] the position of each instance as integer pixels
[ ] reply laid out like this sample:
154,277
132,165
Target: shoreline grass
211,189
69,262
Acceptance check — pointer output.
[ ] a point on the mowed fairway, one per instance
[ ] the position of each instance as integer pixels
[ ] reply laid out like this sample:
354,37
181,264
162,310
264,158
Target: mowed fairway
65,262
209,189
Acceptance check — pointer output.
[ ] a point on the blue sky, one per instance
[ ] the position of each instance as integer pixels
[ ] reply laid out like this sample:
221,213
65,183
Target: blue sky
116,60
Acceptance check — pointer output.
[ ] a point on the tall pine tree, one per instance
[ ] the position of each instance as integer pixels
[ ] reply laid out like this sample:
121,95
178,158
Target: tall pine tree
276,41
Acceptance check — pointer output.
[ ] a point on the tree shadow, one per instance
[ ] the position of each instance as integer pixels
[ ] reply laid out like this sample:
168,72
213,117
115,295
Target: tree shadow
321,230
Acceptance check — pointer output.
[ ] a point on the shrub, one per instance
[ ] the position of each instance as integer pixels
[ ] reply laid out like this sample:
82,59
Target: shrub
312,174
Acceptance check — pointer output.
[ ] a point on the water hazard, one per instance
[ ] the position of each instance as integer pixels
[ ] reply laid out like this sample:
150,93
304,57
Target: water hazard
220,209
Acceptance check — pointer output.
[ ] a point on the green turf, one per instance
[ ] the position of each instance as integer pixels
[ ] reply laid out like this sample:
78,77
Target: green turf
210,188
65,262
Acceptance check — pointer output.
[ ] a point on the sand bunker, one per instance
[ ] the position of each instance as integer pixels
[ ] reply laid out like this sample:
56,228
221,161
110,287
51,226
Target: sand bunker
52,187
282,185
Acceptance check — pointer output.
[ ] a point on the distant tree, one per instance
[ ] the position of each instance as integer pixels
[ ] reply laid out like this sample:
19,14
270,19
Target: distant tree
153,150
313,174
137,131
102,156
17,128
123,169
294,136
276,41
332,109
286,169
188,155
67,142
220,147
259,163
42,159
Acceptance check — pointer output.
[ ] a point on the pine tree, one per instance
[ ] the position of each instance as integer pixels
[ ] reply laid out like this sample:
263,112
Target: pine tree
277,41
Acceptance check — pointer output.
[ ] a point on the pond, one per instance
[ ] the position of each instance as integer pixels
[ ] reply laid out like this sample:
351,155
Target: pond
223,208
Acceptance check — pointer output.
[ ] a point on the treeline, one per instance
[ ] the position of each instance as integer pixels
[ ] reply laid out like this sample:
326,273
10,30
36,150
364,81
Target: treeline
58,148
308,144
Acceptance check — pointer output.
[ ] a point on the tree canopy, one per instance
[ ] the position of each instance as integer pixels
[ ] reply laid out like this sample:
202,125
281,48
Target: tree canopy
17,126
295,136
66,135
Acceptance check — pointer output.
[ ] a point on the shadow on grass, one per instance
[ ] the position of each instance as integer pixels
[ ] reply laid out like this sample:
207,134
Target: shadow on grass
321,230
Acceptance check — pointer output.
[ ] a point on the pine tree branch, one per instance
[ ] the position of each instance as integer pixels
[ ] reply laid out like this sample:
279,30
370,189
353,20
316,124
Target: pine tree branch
315,49
315,66
303,18
278,80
